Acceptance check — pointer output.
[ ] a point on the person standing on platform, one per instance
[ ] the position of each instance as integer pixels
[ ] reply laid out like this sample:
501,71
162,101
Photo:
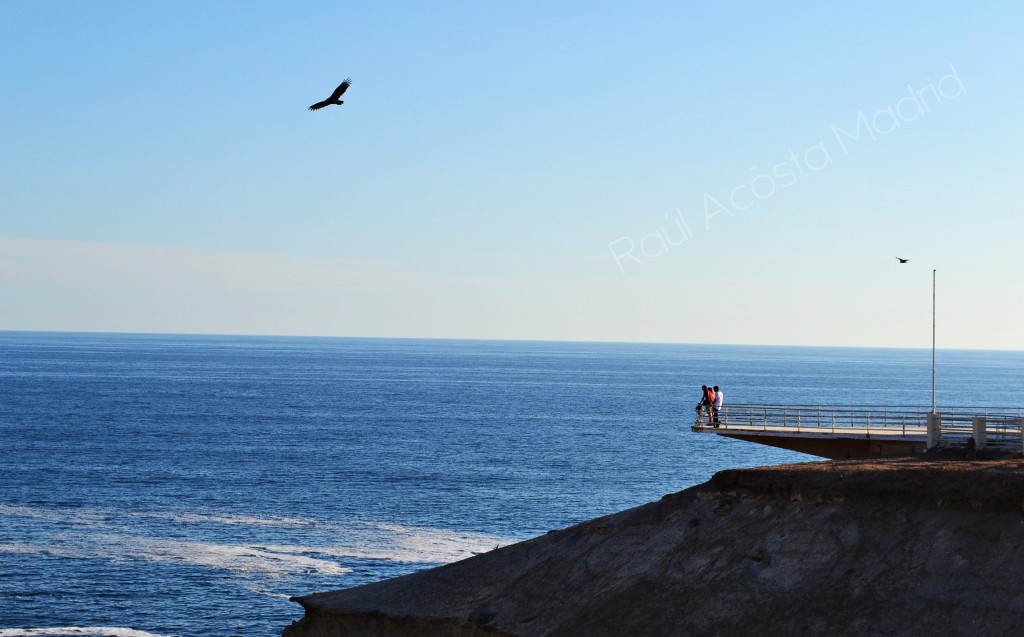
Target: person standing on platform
716,406
704,406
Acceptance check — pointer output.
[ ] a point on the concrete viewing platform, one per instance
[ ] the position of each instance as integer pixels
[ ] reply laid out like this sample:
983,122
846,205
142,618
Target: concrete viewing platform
857,431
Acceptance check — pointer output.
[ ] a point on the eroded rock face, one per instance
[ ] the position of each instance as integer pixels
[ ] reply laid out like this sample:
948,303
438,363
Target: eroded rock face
892,547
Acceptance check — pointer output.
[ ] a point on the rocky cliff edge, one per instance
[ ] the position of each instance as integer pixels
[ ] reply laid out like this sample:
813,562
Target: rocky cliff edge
900,546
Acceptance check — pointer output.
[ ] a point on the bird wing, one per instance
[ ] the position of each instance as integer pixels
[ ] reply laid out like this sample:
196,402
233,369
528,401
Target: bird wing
338,92
319,105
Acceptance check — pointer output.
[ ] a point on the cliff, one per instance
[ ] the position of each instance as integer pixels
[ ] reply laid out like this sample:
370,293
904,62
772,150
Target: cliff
900,546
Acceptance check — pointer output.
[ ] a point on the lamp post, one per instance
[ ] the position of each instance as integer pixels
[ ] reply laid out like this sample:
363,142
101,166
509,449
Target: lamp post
933,341
934,420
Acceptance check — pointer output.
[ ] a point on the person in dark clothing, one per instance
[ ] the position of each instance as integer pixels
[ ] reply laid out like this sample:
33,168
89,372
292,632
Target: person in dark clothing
704,406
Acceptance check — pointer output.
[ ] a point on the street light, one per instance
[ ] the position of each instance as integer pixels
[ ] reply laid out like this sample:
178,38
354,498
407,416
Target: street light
933,341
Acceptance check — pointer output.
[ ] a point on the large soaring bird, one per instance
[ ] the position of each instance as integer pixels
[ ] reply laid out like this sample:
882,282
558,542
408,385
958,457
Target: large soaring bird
903,260
333,99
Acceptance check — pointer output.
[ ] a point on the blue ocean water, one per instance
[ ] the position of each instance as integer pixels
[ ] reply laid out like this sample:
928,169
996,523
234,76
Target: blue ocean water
188,485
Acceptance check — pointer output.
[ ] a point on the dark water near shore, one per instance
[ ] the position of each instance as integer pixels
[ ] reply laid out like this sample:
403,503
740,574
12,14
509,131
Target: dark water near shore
186,485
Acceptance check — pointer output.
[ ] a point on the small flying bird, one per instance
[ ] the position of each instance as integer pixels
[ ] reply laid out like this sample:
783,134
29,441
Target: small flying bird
333,99
903,260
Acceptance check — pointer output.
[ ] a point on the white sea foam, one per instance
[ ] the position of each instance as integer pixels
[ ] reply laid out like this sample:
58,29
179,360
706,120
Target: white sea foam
228,557
93,631
19,511
94,517
94,533
13,548
205,518
103,516
242,560
407,544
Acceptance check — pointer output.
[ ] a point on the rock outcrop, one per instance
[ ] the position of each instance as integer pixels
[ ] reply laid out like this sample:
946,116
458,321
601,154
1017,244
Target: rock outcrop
900,546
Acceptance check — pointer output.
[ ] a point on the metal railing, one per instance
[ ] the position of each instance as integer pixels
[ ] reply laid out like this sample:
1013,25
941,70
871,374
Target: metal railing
1002,429
1003,424
820,418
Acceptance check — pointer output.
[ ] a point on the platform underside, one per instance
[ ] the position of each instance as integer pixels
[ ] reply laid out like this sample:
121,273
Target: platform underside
854,443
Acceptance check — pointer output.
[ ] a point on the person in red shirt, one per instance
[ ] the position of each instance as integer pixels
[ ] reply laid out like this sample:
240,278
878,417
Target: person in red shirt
707,396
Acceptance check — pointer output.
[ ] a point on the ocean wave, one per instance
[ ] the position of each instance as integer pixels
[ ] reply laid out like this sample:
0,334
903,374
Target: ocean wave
92,631
405,544
233,558
209,518
92,517
98,516
242,559
13,548
97,533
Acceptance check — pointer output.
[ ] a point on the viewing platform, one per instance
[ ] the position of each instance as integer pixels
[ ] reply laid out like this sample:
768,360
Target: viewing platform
857,431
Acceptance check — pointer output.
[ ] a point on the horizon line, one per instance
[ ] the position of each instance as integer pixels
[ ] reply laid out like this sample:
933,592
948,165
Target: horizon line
488,340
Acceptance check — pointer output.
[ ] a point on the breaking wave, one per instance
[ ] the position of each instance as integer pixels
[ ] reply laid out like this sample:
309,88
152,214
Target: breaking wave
98,533
92,631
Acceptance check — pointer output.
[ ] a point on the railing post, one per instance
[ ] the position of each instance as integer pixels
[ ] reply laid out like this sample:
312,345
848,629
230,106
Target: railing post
980,432
934,425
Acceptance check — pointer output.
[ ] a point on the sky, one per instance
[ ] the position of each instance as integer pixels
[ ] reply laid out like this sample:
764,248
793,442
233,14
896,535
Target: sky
698,172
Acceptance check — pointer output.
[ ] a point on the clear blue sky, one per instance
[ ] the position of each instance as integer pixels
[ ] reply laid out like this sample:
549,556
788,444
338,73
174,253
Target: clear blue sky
515,170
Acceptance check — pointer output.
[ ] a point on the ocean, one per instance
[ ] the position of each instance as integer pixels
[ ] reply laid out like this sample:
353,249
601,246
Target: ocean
157,485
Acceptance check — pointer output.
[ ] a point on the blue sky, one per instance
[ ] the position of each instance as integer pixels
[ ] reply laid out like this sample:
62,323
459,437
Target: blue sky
570,171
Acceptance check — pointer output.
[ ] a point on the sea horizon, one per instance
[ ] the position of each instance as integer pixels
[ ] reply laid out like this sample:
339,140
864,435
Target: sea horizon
496,340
